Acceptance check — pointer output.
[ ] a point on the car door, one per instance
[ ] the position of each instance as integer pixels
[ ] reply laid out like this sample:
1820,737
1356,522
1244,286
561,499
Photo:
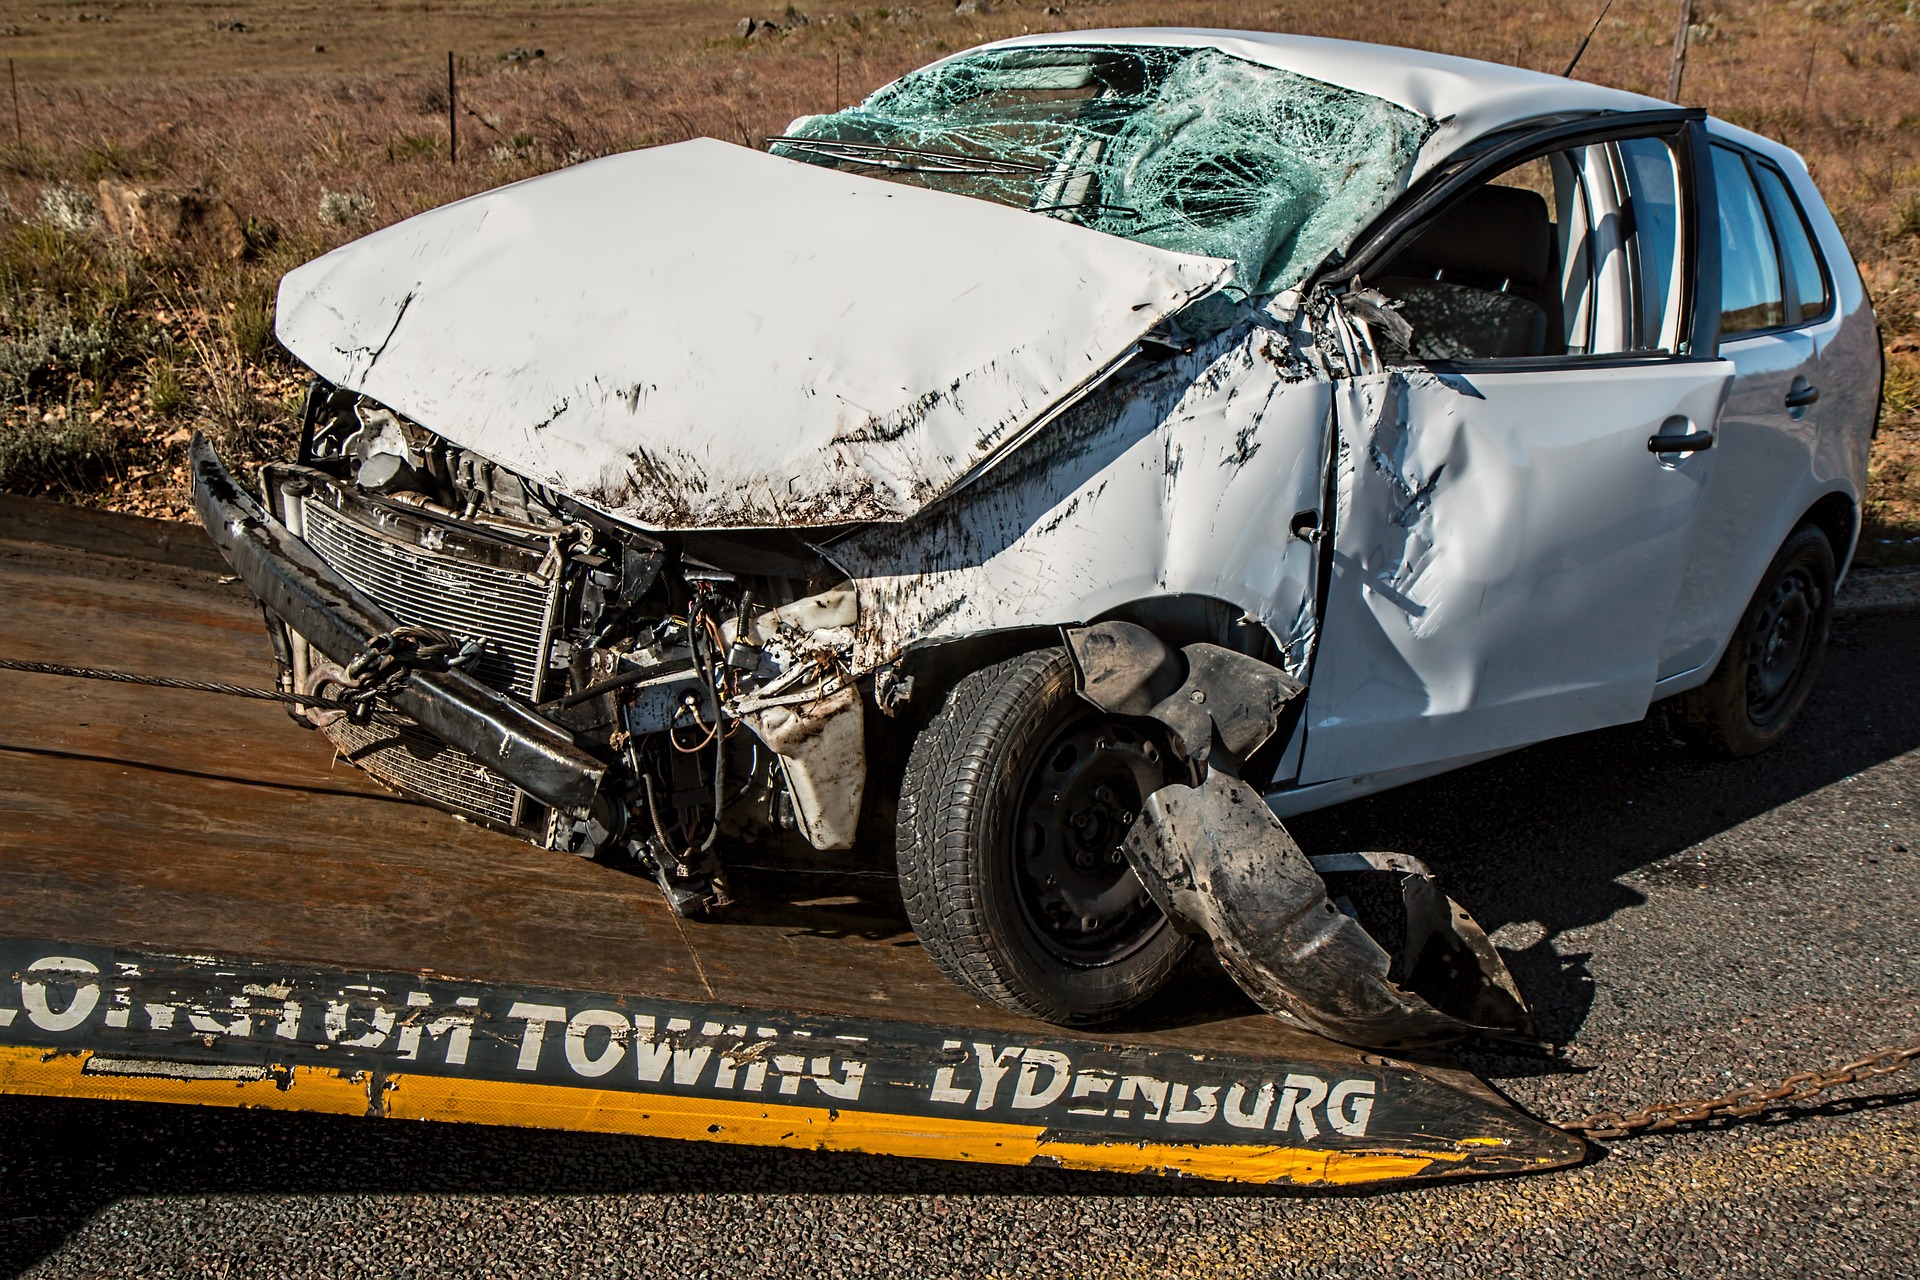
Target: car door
1510,528
1775,297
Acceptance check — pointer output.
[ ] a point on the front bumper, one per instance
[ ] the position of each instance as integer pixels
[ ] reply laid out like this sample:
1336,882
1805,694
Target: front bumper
535,754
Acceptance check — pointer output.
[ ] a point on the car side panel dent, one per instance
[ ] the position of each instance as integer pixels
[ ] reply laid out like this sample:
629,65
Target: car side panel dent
1180,476
1506,552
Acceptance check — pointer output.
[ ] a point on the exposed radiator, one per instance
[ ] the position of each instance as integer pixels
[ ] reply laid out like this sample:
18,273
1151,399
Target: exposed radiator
510,609
403,755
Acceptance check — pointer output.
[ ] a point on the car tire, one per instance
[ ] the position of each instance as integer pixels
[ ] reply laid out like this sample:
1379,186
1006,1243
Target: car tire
1012,807
1770,664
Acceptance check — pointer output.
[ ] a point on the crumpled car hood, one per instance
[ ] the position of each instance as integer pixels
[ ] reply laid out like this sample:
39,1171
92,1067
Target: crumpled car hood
705,336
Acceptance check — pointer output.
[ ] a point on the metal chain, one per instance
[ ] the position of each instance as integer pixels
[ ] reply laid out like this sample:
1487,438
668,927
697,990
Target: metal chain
1747,1101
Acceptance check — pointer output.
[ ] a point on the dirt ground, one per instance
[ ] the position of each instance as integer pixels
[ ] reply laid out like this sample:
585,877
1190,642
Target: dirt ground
291,127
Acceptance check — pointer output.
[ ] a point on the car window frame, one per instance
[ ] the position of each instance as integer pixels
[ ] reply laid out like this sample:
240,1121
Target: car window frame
1684,129
1789,274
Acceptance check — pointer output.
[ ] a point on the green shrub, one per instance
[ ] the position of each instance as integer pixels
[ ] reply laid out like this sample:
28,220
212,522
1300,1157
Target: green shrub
166,392
67,458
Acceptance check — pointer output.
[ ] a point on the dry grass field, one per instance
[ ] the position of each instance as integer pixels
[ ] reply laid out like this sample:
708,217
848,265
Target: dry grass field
291,127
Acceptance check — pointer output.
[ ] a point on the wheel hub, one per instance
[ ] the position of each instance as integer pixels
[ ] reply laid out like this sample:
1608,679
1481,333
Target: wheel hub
1072,873
1777,643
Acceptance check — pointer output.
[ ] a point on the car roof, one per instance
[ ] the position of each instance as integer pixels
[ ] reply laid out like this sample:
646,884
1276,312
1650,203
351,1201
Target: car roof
1466,97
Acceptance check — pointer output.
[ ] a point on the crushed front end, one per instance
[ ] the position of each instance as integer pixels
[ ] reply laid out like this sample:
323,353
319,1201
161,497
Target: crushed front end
482,643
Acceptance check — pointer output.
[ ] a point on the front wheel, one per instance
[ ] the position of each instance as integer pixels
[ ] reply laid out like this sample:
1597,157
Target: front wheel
1013,807
1768,670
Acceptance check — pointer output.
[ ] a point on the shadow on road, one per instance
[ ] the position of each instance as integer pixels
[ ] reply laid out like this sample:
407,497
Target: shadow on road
1541,837
1545,836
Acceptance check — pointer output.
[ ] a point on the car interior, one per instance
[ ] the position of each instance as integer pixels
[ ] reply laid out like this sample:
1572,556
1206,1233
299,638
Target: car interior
1569,254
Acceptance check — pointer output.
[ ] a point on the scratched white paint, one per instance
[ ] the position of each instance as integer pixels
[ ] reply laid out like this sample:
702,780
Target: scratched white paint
700,335
1182,477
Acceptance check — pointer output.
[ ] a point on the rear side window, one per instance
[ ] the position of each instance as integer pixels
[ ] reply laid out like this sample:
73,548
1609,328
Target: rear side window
1750,294
1806,282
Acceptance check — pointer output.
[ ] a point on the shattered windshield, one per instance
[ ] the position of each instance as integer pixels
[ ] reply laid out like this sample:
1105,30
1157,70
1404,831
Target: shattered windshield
1186,149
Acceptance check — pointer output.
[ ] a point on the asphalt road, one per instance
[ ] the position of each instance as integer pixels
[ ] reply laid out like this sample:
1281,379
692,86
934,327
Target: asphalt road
1683,924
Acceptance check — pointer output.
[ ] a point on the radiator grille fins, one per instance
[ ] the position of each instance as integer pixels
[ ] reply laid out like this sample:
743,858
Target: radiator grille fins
511,612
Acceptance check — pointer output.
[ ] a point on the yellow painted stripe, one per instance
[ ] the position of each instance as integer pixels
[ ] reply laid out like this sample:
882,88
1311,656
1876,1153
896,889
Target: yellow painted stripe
529,1104
50,1074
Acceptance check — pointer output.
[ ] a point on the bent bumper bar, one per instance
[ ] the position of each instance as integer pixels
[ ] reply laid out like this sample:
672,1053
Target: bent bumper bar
534,754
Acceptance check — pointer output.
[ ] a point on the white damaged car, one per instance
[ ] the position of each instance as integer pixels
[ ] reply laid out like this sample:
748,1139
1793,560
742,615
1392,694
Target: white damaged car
1078,456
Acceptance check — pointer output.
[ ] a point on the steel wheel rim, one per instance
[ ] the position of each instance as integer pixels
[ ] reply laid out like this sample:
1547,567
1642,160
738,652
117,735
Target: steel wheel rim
1080,898
1779,638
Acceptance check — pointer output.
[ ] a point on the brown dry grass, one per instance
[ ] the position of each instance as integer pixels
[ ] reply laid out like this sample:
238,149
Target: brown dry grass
165,93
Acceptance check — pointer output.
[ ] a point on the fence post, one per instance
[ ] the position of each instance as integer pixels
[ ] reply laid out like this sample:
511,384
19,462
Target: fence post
453,132
1679,51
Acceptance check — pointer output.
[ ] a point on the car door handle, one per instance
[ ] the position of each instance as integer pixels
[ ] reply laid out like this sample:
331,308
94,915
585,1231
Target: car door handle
1801,394
1692,442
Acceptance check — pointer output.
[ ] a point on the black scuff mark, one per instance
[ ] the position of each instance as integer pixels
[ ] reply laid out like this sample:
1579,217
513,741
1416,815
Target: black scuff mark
935,616
1065,514
547,421
374,353
888,427
1244,443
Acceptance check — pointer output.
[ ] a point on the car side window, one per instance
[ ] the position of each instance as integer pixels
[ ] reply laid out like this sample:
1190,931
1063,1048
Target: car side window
1574,253
1807,290
1751,298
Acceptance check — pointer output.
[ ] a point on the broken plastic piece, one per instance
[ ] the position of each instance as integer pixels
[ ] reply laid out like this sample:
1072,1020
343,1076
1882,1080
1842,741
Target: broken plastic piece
1218,861
1204,693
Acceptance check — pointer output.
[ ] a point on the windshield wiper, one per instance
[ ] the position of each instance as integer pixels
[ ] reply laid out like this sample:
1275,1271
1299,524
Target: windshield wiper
914,161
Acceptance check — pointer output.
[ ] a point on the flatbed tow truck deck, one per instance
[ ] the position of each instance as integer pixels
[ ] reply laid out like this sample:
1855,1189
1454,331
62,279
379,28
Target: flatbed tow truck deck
210,908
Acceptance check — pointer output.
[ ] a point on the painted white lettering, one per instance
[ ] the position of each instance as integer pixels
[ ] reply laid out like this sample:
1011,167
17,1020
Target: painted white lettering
1085,1086
40,1011
579,1058
847,1089
1298,1097
6,1017
756,1059
160,1017
457,1028
1028,1093
116,1016
1147,1089
288,1028
725,1074
537,1016
944,1089
994,1065
688,1063
1206,1105
792,1068
379,1024
1239,1117
203,1019
410,1029
651,1053
1350,1107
